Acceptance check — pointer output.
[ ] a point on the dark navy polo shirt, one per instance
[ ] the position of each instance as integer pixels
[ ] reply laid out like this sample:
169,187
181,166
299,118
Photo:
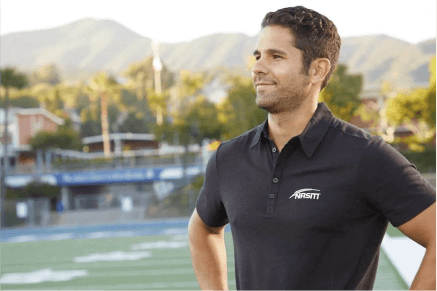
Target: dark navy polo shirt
314,215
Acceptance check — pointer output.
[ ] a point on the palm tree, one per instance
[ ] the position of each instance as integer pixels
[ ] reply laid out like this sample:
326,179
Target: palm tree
103,85
9,79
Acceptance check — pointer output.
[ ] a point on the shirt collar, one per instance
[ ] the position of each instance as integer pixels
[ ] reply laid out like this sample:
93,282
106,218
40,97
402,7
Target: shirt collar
313,133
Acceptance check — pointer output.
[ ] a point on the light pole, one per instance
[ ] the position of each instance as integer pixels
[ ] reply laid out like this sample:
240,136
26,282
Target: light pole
157,67
386,131
4,166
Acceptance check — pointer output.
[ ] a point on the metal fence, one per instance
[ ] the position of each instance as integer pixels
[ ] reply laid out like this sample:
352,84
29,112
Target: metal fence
109,201
52,163
27,212
133,202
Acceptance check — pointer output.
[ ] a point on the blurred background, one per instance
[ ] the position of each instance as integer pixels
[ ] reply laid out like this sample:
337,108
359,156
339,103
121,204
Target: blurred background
109,113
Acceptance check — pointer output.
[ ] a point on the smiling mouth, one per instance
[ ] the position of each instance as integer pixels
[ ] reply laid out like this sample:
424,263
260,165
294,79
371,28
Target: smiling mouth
263,84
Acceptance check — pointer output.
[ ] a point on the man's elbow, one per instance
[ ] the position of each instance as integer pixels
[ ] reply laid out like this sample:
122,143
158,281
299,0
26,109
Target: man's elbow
196,228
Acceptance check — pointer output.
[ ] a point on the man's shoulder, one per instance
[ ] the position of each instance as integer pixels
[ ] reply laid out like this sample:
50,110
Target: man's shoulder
354,134
243,141
370,147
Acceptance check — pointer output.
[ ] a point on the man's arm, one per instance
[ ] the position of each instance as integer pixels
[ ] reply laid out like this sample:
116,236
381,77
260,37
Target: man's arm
208,254
422,229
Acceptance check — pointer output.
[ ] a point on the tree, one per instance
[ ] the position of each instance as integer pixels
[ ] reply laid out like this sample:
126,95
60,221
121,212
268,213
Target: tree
141,74
54,103
90,125
41,92
188,90
135,123
202,120
37,189
104,85
167,132
193,116
43,140
24,102
64,138
191,83
239,113
341,94
22,98
137,115
407,108
430,115
157,102
46,74
12,79
416,110
9,79
141,77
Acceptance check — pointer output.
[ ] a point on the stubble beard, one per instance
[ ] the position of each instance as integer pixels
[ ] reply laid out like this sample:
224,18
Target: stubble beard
279,102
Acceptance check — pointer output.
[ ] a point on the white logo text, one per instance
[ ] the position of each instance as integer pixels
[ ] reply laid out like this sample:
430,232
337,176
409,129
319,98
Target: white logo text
303,194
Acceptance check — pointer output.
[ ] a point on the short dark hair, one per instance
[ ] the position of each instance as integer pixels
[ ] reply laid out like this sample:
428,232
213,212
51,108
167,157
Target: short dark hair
314,33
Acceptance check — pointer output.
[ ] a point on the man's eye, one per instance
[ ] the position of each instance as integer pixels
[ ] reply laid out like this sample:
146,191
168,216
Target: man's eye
276,57
257,57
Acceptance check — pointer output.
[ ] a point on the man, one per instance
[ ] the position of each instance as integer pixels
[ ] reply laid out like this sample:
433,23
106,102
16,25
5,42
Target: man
308,196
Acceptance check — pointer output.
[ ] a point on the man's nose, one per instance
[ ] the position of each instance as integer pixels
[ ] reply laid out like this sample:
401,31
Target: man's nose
259,67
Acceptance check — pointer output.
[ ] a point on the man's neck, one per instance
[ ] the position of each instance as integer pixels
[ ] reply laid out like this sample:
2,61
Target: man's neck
286,125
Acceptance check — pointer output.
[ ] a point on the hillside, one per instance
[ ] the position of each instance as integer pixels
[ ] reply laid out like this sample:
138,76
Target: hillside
86,46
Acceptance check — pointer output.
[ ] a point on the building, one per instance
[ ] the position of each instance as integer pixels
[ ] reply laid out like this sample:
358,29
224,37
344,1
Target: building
23,124
121,142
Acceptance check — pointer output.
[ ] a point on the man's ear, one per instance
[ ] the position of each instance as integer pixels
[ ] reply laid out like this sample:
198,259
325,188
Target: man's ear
319,69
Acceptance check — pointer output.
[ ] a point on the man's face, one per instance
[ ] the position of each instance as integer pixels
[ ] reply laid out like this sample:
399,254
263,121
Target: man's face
278,75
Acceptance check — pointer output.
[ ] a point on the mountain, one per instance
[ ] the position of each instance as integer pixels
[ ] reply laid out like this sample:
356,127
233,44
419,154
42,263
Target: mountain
209,52
380,57
88,45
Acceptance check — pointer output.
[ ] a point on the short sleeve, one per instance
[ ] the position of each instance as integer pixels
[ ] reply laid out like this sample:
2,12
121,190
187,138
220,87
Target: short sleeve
209,203
393,184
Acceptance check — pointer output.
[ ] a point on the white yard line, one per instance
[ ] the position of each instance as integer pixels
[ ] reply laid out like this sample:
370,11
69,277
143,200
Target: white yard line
405,254
144,286
125,264
143,273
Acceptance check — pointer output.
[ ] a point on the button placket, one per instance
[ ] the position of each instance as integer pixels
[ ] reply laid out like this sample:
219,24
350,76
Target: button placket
274,187
277,174
275,151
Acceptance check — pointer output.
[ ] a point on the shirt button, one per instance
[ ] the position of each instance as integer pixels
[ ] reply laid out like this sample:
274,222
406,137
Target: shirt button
275,180
272,196
274,150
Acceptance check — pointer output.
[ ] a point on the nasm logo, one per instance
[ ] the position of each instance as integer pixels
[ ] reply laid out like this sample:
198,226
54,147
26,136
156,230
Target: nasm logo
307,193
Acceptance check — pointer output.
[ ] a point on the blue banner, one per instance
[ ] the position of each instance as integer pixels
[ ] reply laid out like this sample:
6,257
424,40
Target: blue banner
124,176
107,176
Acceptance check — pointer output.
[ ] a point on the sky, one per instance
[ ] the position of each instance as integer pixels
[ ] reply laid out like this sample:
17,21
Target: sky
173,21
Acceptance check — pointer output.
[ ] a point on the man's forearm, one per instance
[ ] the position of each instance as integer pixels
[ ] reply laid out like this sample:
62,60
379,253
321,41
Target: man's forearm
208,255
426,276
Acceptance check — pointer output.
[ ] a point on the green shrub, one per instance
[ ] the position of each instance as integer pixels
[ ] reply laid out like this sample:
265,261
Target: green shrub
425,161
11,218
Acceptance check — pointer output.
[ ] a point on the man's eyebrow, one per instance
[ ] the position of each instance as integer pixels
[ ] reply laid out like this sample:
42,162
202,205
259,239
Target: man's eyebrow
271,52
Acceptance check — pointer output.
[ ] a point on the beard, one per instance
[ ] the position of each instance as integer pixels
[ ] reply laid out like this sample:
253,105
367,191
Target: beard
280,101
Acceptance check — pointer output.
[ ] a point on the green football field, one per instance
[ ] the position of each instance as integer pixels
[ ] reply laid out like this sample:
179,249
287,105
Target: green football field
123,263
